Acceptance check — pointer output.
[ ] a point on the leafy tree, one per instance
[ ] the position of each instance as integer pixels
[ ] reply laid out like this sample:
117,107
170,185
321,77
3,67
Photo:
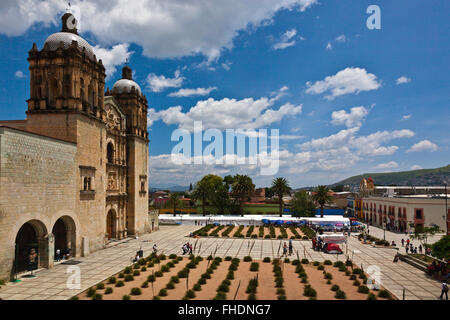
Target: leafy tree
281,187
322,197
302,205
190,187
441,248
174,202
422,233
242,188
205,188
269,192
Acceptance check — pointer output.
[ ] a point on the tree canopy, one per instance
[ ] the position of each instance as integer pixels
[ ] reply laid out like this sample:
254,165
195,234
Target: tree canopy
302,205
322,197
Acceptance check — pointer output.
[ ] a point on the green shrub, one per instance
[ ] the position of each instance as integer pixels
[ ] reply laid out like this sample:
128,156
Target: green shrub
342,268
327,262
356,283
165,269
363,289
136,291
233,267
108,290
267,236
295,262
223,288
136,266
112,280
143,269
340,295
309,291
286,260
162,292
328,276
252,296
120,284
254,266
305,261
348,263
384,294
100,286
126,297
190,294
371,296
357,271
201,281
206,276
136,273
175,279
266,259
162,257
282,297
197,286
347,272
97,296
335,287
129,277
150,265
170,285
220,296
158,274
230,275
156,298
127,270
352,277
173,256
247,259
321,267
144,284
328,281
228,258
151,278
316,263
91,292
281,291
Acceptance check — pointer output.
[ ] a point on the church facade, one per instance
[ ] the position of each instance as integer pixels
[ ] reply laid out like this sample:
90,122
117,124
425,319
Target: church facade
74,174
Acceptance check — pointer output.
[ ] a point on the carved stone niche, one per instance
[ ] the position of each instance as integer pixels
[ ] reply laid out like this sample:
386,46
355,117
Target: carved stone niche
143,181
87,188
112,181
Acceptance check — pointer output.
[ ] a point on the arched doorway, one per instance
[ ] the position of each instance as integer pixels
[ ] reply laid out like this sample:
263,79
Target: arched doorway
65,236
111,225
30,237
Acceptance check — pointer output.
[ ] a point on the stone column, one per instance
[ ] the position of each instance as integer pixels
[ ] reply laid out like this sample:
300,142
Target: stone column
47,251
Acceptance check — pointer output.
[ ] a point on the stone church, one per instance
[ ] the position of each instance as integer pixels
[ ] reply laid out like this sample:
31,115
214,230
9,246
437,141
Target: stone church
74,174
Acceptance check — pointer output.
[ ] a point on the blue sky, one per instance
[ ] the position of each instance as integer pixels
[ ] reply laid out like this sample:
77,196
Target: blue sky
347,100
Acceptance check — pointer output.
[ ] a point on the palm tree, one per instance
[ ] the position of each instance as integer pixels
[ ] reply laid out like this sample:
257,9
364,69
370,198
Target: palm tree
322,197
242,188
174,202
201,193
280,187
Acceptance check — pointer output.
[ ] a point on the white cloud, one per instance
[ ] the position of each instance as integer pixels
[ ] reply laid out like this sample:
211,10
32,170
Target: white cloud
192,92
228,113
388,165
227,65
330,142
347,81
371,144
403,80
287,40
424,145
352,119
406,117
341,38
19,74
329,46
160,83
416,167
164,29
111,58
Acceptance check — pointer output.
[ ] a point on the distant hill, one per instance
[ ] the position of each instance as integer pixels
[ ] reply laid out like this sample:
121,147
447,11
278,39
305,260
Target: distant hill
422,177
169,188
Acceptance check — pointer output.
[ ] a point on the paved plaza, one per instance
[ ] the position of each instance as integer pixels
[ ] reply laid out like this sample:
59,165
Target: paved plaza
51,284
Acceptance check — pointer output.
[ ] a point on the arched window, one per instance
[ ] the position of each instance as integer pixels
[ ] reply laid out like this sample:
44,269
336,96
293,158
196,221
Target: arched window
110,153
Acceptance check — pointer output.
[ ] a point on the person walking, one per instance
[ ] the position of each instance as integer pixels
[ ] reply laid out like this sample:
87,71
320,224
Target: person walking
420,249
407,249
290,246
403,242
444,290
58,255
285,250
155,248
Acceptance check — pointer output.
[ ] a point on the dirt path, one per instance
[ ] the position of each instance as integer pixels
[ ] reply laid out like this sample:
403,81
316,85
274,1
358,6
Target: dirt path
318,283
208,291
292,284
243,275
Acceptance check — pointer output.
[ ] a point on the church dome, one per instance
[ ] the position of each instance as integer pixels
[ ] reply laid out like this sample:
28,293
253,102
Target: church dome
54,40
125,84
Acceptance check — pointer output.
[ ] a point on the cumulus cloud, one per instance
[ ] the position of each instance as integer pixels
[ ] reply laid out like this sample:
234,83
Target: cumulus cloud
164,29
341,38
388,165
416,167
19,74
228,113
111,58
287,40
406,117
403,80
347,81
424,145
192,92
372,144
160,83
350,119
329,46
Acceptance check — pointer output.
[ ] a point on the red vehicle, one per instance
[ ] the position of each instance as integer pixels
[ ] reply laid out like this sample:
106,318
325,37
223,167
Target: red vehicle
332,248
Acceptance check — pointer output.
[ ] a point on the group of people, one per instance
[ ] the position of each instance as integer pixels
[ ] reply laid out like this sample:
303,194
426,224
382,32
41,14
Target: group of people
287,247
439,268
62,254
409,247
317,244
187,248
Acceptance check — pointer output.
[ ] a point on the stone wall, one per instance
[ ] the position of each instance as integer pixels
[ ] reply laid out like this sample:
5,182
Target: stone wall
37,183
